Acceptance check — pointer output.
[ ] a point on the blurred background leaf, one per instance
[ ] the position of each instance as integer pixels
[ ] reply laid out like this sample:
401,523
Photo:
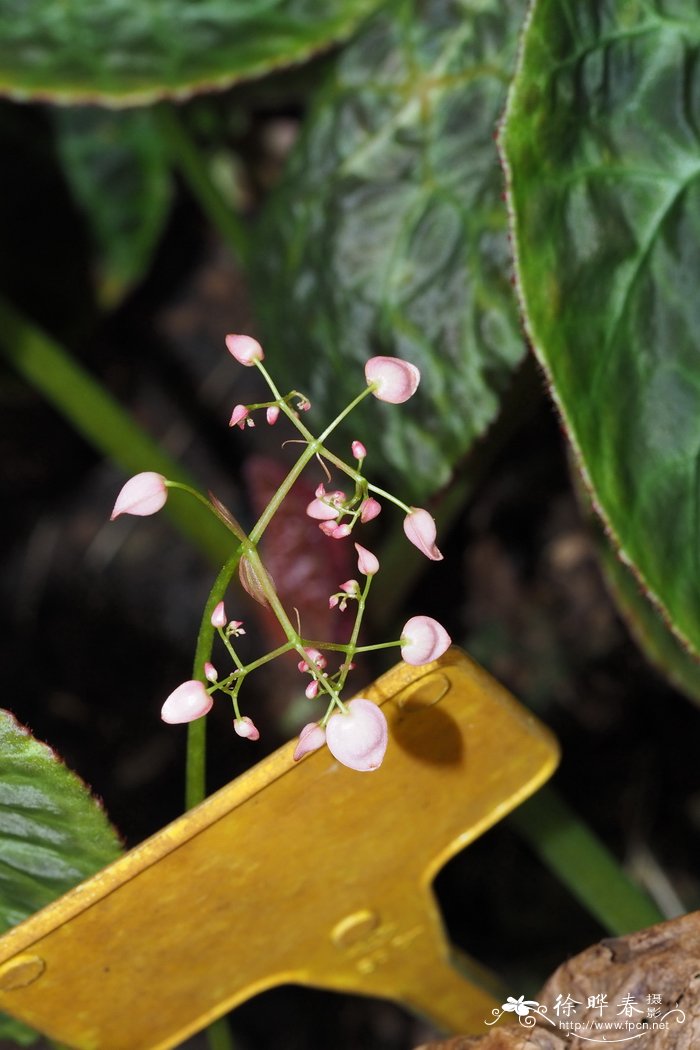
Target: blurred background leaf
602,144
123,54
388,234
117,167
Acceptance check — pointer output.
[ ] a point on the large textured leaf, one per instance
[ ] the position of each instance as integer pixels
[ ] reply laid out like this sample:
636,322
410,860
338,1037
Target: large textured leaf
119,173
128,53
52,834
388,233
603,150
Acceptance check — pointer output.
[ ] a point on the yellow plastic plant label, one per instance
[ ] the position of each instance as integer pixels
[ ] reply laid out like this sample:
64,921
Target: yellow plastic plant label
306,873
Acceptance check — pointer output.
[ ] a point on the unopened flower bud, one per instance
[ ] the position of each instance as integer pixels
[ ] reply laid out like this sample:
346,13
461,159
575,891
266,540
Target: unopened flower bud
218,617
210,672
272,414
341,531
311,690
239,416
244,348
394,380
367,563
419,527
369,508
311,738
358,450
235,628
359,737
189,701
351,587
423,640
142,495
246,727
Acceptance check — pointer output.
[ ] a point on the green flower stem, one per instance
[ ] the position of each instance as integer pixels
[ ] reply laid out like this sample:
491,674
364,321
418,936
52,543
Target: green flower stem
286,648
573,853
379,645
188,160
195,772
352,644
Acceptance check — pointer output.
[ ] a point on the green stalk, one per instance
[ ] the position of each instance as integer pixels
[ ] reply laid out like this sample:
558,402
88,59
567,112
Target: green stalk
187,158
574,854
195,774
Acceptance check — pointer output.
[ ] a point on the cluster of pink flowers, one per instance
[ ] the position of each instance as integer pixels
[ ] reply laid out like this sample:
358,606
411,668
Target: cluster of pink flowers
355,733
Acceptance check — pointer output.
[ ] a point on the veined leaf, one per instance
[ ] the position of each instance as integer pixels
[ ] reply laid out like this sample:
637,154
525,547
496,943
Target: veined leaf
53,834
124,53
117,167
388,234
602,146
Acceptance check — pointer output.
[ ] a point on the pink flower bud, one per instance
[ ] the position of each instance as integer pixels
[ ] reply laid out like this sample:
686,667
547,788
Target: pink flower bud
210,672
320,510
419,527
358,450
238,417
358,739
272,414
311,738
340,531
218,617
246,727
327,527
367,562
394,380
333,601
351,587
244,348
316,657
143,494
369,508
423,640
311,690
189,701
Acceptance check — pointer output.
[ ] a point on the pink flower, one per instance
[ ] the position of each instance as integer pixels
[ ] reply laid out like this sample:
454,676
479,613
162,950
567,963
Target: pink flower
367,562
311,738
218,617
359,737
423,640
419,527
189,701
244,348
321,510
272,414
394,380
351,587
316,658
239,416
311,690
210,672
143,494
358,450
246,727
369,508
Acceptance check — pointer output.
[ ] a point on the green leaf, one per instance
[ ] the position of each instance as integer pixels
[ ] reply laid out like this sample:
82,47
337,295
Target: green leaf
53,834
117,168
646,624
127,53
602,148
388,234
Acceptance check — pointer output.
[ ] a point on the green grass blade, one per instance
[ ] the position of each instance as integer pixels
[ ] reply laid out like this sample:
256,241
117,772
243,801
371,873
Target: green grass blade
583,864
104,424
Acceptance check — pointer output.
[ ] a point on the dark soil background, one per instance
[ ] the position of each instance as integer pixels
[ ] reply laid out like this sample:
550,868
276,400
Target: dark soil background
99,621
